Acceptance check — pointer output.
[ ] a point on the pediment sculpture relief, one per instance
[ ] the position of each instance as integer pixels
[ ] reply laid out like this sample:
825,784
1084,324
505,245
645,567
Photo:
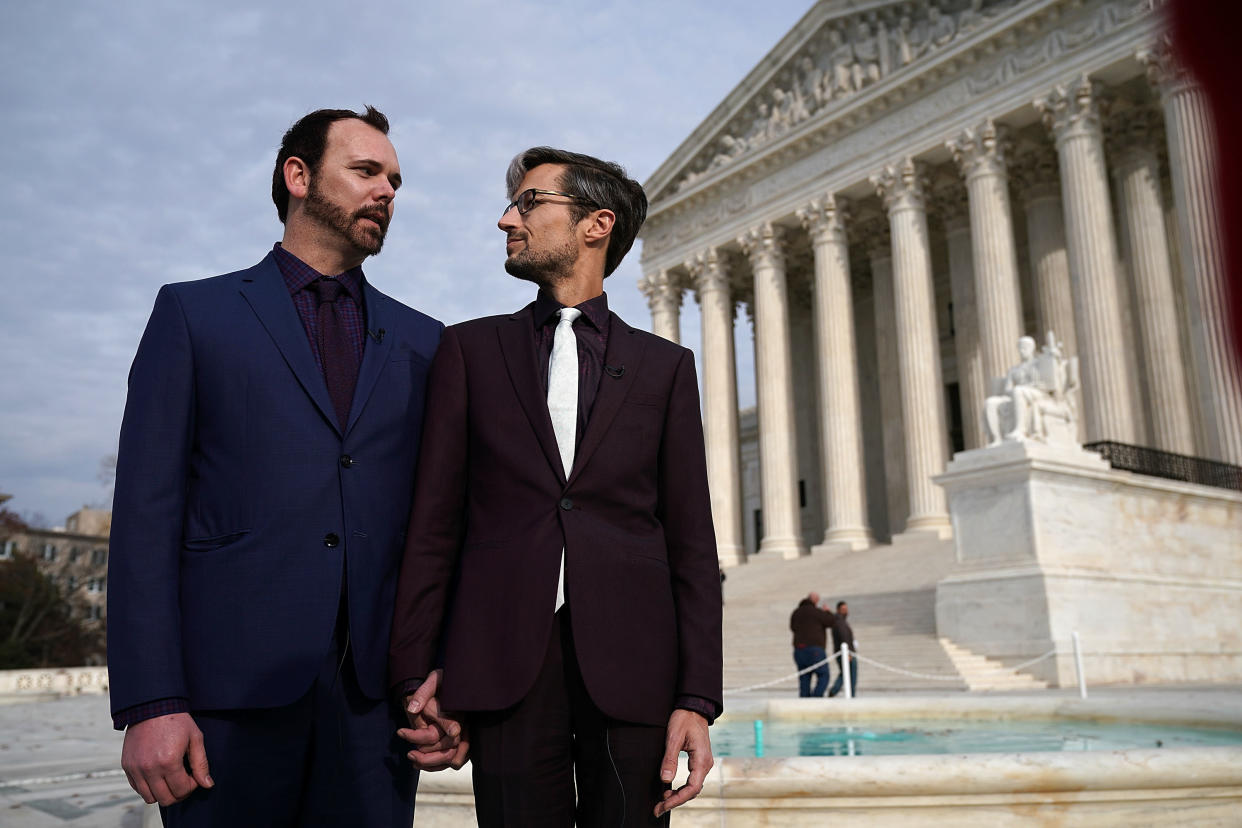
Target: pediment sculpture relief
848,54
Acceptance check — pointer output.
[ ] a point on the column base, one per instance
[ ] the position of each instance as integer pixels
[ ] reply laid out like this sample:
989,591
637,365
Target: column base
731,555
847,539
920,530
787,548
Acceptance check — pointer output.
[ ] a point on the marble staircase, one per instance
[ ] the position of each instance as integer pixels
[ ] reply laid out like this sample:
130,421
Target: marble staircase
891,591
982,673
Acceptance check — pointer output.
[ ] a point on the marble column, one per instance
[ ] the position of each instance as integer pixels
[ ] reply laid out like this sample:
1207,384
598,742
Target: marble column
1192,165
720,429
1132,139
778,452
1037,181
918,351
950,200
841,466
877,241
1072,113
663,292
980,153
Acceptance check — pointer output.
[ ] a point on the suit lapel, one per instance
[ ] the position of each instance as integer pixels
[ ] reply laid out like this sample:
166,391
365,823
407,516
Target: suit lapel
264,289
374,354
625,350
517,344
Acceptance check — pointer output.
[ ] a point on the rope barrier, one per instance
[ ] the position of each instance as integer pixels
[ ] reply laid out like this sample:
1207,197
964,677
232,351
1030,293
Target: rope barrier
793,675
882,666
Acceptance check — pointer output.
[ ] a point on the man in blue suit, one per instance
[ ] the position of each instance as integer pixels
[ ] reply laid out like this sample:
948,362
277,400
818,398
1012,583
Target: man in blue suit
263,484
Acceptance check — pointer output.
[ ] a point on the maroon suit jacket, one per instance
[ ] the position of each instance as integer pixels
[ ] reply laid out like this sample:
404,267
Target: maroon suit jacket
492,511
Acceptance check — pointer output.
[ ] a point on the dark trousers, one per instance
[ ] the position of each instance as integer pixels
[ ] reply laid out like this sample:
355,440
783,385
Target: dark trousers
329,760
804,657
526,759
836,685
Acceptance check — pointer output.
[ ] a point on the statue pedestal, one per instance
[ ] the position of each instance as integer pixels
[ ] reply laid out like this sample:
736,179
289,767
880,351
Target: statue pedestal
1147,571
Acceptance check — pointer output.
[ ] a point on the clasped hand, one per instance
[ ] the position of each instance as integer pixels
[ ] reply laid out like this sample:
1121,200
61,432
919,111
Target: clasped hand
439,739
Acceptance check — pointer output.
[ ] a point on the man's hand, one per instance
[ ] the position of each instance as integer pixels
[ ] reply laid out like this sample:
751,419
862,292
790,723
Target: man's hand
439,739
156,754
686,731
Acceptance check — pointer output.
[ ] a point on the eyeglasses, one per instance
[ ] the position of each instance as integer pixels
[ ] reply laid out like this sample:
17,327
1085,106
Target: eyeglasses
525,202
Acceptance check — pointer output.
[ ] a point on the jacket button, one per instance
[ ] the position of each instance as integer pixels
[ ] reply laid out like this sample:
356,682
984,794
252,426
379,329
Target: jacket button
566,504
331,540
347,461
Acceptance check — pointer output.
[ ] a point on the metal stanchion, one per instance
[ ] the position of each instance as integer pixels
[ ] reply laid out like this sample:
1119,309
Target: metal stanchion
845,671
1082,677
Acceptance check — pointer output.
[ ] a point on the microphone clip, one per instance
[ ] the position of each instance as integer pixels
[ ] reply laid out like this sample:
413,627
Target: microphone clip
378,336
615,373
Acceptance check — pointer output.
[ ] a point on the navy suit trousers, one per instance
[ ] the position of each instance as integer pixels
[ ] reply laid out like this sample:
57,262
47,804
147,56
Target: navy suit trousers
329,760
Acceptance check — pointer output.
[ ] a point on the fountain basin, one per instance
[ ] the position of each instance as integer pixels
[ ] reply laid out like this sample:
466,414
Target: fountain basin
1182,786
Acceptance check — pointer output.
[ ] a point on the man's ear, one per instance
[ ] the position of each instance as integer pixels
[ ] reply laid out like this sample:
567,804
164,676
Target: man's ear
599,225
297,177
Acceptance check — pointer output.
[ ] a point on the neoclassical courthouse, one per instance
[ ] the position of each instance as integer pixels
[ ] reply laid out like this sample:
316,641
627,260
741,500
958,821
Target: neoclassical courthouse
892,197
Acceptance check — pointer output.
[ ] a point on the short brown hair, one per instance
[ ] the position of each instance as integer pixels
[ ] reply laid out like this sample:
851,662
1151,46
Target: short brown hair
307,139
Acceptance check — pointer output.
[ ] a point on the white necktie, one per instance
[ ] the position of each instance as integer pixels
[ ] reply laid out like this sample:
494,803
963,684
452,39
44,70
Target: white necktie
563,405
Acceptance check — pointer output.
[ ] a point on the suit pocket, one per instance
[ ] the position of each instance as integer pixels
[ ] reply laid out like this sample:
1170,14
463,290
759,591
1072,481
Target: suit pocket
410,356
215,542
638,398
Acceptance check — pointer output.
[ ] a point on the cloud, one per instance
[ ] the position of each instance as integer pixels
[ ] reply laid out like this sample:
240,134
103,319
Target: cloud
140,138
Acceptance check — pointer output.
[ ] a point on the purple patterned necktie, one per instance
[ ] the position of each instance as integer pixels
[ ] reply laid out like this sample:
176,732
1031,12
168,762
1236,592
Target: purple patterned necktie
340,366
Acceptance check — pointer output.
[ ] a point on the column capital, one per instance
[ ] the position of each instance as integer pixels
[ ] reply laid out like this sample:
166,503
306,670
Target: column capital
1072,110
982,149
1132,127
708,271
1164,71
947,199
901,186
764,245
1035,171
824,219
662,289
876,237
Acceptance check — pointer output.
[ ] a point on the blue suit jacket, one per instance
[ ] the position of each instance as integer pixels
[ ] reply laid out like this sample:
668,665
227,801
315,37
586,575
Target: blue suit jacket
240,505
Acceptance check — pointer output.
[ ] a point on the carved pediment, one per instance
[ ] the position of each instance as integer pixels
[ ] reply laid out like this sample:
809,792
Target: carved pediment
839,49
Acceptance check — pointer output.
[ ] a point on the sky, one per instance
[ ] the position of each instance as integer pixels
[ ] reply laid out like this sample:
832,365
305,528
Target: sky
140,138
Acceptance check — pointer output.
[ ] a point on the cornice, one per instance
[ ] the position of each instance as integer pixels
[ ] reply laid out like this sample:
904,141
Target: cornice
1010,30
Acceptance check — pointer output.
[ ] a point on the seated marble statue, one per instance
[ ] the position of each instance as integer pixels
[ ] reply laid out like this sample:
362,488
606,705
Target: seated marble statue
1034,400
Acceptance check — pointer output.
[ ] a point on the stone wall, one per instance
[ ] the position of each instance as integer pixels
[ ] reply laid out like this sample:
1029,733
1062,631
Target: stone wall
1147,571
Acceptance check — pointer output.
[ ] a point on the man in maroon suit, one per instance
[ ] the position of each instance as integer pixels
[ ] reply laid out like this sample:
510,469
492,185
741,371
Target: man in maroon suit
560,563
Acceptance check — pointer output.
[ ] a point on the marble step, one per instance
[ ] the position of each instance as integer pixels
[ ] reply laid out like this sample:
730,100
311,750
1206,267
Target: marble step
982,673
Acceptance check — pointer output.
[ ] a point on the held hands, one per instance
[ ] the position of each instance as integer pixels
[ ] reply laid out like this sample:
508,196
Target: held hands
439,739
156,754
687,731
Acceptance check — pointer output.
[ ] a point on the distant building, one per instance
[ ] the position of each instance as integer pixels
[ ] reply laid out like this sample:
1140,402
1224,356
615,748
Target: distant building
75,558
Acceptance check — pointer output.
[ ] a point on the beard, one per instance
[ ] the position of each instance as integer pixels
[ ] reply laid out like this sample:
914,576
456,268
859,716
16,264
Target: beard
545,268
365,238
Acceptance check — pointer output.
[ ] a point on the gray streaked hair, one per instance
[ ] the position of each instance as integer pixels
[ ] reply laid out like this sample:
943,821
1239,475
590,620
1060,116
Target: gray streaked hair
598,184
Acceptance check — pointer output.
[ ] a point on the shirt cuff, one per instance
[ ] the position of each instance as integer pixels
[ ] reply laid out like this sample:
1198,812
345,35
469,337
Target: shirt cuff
405,688
697,704
149,710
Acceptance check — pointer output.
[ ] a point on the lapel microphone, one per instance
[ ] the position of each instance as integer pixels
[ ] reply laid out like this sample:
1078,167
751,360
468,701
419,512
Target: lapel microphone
615,373
378,336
